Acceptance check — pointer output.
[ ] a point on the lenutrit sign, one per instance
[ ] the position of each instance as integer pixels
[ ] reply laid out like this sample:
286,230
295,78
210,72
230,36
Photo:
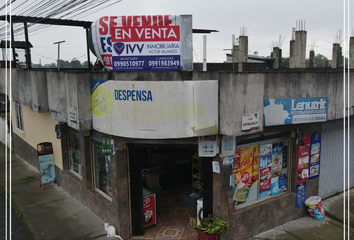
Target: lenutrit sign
295,110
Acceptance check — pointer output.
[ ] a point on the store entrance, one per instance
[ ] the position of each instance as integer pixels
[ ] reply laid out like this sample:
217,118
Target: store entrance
167,177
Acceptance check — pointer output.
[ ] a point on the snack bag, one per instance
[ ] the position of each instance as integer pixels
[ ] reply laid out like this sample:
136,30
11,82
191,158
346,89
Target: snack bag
315,208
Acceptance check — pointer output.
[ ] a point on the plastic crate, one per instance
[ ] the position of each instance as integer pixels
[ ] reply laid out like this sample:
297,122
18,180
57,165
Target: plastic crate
185,196
205,236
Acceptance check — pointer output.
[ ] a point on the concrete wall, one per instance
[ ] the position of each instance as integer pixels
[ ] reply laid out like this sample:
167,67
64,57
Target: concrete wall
244,93
3,133
351,53
239,92
292,54
39,91
300,49
336,55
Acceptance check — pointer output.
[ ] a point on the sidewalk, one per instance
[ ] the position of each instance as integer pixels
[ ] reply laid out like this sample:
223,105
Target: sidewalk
53,214
307,228
50,214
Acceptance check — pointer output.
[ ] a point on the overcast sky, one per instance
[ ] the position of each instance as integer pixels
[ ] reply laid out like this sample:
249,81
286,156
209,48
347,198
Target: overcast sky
264,20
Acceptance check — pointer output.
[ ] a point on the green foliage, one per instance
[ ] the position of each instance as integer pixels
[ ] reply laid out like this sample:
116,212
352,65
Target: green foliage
74,63
213,226
321,61
27,178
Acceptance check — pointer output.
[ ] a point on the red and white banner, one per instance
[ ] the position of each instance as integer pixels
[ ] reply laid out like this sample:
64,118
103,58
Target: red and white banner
145,42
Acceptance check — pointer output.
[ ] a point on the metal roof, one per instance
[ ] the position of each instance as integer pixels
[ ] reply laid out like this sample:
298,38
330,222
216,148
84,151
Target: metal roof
15,44
49,21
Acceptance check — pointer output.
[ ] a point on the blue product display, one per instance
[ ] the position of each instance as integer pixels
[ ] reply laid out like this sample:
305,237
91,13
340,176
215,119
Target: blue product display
283,183
300,194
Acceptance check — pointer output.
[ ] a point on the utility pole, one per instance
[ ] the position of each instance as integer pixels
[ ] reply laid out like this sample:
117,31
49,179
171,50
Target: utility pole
58,52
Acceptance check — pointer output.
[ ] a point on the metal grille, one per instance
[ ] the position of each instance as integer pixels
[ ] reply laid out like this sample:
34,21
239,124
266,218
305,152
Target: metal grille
331,175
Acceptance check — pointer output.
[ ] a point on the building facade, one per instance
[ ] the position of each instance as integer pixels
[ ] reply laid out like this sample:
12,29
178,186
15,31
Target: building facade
103,159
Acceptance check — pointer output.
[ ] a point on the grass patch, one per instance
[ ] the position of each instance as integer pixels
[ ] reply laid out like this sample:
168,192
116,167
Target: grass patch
8,149
27,178
18,213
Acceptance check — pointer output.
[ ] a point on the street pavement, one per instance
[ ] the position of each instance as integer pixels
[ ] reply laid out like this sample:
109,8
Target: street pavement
53,214
50,214
18,229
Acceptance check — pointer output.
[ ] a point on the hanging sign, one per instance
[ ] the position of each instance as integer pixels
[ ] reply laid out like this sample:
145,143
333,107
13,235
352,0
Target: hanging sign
143,42
300,194
155,109
250,121
208,146
46,163
73,114
315,155
295,110
303,155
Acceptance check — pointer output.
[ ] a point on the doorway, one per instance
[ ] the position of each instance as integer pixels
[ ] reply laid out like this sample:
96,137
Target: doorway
166,172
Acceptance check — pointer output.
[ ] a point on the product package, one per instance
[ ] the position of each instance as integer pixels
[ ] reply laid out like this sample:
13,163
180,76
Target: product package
315,207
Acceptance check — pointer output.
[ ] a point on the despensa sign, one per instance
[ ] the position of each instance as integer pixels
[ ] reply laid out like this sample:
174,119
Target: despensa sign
145,42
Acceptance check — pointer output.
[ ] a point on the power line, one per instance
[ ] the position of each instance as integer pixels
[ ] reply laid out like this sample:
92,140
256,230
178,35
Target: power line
53,9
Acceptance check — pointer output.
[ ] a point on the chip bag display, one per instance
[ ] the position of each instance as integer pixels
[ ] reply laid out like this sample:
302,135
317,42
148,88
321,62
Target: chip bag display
315,207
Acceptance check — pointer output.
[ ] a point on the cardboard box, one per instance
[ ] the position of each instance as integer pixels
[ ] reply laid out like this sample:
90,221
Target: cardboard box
152,180
192,221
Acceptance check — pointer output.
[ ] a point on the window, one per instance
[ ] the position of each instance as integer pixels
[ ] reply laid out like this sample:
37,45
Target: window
102,164
18,117
260,170
74,151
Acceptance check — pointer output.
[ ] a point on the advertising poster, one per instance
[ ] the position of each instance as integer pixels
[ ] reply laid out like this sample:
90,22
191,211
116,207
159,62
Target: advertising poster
275,186
237,167
264,179
265,155
276,170
300,194
303,154
47,170
228,160
295,111
143,42
277,154
155,109
315,155
285,156
228,146
264,193
249,163
46,163
283,183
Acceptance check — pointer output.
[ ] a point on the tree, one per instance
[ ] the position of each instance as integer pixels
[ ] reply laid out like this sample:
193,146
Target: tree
321,61
75,63
284,62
